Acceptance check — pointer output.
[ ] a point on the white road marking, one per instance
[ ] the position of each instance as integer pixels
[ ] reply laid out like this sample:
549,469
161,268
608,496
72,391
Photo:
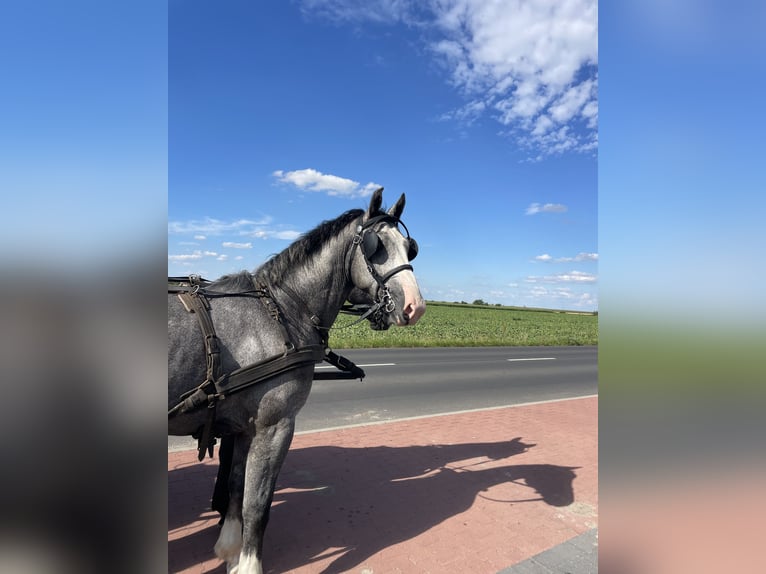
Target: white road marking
535,359
368,365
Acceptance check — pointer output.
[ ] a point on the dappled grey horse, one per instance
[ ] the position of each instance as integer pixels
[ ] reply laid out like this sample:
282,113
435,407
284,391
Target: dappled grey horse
270,328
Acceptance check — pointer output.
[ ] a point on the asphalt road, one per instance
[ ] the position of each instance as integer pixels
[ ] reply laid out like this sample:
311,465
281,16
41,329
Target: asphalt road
403,383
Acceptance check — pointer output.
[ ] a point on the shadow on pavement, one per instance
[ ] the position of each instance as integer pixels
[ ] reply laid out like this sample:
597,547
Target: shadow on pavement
350,503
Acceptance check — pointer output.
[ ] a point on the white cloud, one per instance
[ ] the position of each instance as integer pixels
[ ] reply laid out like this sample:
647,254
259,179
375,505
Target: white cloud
580,257
571,277
353,11
529,60
586,257
288,235
547,208
194,256
186,257
561,298
211,226
466,114
234,245
313,180
572,101
530,65
259,229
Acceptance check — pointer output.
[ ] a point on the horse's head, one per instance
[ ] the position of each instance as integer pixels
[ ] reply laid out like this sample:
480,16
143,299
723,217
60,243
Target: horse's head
380,266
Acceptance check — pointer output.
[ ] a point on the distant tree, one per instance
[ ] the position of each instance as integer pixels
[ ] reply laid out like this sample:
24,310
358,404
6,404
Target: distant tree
479,302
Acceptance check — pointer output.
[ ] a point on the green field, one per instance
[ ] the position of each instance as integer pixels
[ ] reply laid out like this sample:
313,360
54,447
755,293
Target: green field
458,325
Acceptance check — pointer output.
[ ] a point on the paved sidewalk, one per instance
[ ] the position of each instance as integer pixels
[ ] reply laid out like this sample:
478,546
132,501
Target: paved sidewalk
474,492
576,556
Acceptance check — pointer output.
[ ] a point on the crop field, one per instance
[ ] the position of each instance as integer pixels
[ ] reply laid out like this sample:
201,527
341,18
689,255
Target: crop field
457,325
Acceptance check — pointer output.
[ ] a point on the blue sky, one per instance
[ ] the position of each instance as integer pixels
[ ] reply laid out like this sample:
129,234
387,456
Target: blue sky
284,114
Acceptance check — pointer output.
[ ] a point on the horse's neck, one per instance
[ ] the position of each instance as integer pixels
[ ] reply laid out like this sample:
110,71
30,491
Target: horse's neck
321,284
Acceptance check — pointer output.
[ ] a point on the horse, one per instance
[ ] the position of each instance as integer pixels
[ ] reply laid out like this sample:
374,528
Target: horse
266,329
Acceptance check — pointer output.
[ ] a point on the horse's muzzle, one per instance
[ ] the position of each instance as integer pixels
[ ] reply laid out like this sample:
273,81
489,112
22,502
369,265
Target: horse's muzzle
412,313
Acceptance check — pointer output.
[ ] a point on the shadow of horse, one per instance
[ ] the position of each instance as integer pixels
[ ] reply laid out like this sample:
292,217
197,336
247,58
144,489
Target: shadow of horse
350,503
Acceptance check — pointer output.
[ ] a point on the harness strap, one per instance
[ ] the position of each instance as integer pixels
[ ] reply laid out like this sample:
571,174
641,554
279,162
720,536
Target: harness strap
394,271
273,307
245,377
199,305
342,363
195,302
216,386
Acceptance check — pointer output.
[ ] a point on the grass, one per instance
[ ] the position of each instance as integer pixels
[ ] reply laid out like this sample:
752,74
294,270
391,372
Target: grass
460,325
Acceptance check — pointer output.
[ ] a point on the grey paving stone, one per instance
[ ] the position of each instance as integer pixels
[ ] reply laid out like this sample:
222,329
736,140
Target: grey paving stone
576,556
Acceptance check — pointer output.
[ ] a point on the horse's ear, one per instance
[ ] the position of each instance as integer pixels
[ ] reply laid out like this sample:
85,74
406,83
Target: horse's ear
398,207
375,202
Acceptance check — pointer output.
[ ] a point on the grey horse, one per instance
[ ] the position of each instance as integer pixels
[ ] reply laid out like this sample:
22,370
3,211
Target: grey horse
300,293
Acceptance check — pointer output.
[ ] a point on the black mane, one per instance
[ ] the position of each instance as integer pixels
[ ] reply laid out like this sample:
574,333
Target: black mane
233,283
300,250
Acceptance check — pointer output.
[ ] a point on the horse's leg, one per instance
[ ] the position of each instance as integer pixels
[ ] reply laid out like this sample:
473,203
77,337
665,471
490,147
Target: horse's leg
229,544
220,502
267,453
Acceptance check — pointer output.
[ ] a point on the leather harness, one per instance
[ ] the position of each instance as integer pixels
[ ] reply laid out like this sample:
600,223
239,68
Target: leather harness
194,295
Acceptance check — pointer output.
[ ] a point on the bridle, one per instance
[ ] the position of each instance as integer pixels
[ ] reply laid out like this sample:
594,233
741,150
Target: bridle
369,242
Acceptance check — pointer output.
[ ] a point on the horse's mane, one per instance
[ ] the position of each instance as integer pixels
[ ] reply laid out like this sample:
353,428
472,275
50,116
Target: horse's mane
296,254
233,283
302,249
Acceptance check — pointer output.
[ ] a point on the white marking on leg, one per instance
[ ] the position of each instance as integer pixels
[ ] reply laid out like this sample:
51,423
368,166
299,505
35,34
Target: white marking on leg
229,542
250,564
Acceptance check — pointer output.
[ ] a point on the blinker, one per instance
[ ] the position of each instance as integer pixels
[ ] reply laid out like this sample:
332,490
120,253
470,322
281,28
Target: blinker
412,249
371,244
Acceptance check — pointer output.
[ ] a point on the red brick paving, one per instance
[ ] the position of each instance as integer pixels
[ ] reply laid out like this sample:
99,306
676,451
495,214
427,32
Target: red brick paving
471,492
